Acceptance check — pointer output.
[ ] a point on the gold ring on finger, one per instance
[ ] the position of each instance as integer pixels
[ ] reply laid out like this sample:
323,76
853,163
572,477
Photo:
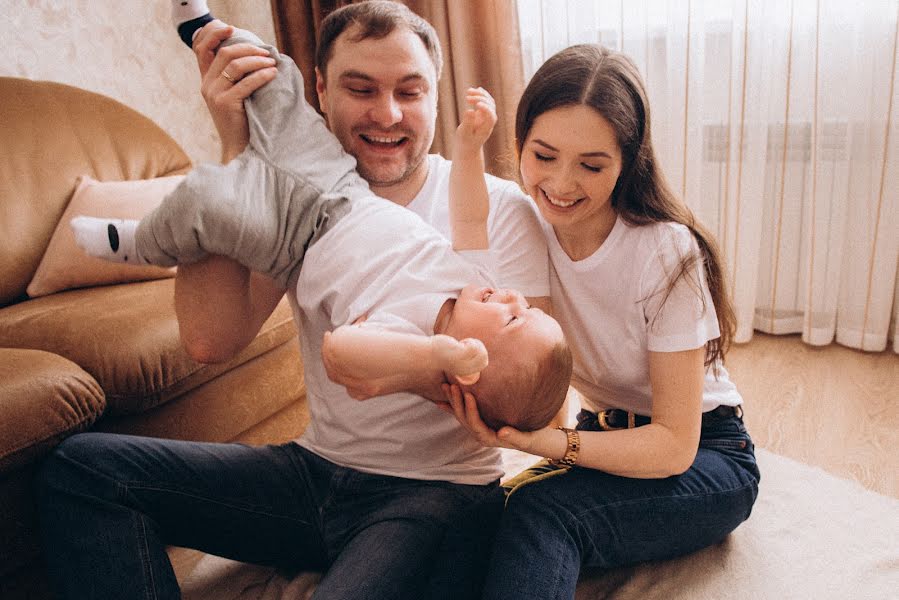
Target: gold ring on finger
227,76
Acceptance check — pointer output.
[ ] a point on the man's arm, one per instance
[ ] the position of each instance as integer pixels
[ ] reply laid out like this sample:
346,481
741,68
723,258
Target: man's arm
469,200
221,306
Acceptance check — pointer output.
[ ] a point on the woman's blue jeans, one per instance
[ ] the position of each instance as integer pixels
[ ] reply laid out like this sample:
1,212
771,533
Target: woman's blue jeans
109,504
551,528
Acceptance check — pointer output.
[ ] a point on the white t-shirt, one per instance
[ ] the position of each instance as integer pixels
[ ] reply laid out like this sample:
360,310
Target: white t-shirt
383,261
516,239
613,310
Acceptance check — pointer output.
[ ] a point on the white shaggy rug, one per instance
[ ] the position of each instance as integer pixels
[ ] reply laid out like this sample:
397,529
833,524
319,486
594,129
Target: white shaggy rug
811,535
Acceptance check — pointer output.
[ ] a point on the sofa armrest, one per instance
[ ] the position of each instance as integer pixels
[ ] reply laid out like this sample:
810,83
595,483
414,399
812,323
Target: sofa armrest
44,399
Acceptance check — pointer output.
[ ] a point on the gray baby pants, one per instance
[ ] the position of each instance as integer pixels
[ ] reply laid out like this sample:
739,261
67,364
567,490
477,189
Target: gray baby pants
263,209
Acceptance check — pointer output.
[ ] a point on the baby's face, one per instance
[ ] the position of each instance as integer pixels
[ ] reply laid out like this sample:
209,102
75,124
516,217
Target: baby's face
503,320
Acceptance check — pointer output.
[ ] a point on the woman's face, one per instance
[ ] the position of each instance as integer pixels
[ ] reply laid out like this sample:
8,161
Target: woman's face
570,162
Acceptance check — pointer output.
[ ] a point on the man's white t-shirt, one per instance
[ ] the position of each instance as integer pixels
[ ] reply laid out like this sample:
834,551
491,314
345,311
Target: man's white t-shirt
383,261
516,239
614,309
405,435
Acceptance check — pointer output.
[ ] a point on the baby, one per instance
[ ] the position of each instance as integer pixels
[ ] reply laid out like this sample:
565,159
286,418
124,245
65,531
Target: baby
398,296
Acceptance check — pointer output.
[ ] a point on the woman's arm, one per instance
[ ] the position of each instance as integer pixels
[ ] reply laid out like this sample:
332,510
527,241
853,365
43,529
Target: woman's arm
663,448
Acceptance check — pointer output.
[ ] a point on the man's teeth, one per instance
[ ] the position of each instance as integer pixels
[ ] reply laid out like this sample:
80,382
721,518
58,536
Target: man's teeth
560,202
383,140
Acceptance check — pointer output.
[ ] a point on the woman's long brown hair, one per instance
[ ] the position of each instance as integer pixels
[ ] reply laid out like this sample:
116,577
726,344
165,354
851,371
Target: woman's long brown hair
610,83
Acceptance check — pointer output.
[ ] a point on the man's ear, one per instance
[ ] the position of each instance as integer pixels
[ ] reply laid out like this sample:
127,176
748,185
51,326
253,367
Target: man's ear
320,90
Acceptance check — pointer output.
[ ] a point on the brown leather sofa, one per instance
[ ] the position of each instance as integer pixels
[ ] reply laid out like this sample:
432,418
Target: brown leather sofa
104,358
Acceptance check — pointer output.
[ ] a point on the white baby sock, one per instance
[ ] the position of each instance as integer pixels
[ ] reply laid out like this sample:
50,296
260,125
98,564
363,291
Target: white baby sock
110,239
187,10
189,16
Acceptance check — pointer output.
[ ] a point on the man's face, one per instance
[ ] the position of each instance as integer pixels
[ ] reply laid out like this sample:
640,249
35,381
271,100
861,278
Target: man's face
380,99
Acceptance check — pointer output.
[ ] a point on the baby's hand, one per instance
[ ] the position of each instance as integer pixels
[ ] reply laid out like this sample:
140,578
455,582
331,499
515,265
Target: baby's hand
477,121
464,359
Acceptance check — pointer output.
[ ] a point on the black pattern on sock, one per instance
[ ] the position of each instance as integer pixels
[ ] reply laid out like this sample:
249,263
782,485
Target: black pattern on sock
186,30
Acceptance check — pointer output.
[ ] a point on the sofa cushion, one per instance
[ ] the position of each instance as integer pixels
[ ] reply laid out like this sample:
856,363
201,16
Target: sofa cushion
126,336
65,266
44,398
51,134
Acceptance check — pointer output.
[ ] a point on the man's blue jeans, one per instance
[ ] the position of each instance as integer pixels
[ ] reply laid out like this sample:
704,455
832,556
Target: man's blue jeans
109,504
551,528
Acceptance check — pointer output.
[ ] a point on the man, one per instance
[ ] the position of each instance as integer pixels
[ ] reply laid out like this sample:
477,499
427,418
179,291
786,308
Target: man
370,488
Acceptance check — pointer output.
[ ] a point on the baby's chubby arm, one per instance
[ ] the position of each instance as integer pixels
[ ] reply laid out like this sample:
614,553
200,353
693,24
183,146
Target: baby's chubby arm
371,361
469,201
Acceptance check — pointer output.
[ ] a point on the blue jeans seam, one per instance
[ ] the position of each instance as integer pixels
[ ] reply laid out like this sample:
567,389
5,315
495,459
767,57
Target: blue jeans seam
144,551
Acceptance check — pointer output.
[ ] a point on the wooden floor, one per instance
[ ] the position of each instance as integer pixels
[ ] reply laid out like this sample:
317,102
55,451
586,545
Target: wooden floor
827,406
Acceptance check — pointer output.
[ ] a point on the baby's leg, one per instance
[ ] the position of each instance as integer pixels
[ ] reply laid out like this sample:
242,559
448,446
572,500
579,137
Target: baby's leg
264,208
290,185
287,131
114,239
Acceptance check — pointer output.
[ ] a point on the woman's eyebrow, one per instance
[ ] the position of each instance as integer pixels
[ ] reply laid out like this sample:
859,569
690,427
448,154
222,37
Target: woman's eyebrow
598,153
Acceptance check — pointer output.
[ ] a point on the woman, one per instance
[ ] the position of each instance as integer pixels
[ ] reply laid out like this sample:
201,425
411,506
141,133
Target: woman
660,463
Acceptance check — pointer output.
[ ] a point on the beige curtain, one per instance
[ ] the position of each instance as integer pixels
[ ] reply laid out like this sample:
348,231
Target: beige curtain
481,48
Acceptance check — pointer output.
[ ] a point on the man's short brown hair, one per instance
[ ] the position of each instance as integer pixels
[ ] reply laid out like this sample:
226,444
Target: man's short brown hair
375,19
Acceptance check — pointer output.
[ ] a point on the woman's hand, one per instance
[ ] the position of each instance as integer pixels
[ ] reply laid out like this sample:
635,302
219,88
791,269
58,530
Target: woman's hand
547,442
249,66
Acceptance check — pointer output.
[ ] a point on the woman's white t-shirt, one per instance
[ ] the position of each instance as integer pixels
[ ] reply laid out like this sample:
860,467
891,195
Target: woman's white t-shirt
615,307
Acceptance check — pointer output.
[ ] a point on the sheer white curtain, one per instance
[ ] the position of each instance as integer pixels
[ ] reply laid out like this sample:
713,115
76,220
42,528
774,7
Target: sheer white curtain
777,122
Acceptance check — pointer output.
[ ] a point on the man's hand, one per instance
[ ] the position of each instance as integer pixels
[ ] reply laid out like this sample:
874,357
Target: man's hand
249,66
478,120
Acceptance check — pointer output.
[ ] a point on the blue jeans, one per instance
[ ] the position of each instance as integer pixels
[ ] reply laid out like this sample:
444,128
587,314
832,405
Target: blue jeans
551,528
109,504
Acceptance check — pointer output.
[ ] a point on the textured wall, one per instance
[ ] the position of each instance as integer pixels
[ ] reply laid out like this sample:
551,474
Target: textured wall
127,50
